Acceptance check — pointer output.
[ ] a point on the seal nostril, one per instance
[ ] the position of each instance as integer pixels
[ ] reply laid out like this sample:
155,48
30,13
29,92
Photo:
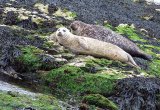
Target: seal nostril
59,34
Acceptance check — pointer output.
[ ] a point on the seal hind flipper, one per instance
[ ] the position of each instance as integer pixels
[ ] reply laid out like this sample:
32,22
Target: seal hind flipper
146,56
132,62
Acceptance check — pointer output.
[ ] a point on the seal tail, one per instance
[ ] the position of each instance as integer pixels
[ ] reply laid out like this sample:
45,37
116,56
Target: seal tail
145,56
131,62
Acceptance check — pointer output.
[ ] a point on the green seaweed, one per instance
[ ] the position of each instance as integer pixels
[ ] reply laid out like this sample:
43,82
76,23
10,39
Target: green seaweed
129,31
73,80
154,68
40,102
100,101
29,57
107,25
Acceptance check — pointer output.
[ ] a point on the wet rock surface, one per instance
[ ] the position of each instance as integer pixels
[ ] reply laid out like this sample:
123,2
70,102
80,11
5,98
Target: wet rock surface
116,12
10,39
138,93
4,86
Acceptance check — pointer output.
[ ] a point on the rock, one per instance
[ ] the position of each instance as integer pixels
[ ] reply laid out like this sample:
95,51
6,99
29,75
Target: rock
68,56
48,23
157,2
28,24
100,101
52,8
137,93
11,18
10,72
10,39
49,62
13,94
158,101
83,107
1,11
28,108
113,11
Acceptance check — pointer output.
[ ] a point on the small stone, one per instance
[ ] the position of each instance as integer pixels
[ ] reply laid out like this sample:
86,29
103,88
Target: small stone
11,18
68,56
52,8
83,107
1,11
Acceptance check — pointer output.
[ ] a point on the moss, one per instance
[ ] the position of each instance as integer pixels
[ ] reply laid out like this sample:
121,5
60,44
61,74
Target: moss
22,17
30,37
73,80
38,20
151,46
158,101
18,31
59,25
48,44
154,68
29,57
150,49
42,31
66,14
100,101
101,62
40,102
107,25
154,65
41,7
146,17
129,31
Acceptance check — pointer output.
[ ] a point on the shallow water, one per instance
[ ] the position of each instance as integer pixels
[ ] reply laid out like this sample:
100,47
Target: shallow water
4,86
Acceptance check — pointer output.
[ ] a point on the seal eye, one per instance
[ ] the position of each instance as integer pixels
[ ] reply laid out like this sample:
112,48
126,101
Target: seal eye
64,30
73,27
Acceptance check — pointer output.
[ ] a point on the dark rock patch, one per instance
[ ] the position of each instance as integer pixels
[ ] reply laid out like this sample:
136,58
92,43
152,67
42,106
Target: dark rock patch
9,40
27,24
137,93
11,18
116,12
52,8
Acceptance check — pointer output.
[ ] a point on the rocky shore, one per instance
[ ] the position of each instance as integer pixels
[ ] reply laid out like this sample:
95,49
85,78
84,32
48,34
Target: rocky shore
32,59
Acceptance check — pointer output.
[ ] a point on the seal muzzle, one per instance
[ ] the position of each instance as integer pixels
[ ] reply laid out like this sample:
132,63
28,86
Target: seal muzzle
59,34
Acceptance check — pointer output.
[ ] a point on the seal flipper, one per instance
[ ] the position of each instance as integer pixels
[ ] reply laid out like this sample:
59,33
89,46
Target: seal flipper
82,42
132,62
146,56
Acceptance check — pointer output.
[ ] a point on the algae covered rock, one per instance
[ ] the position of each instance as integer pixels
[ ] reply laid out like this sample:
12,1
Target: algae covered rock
11,18
100,101
140,92
40,102
74,80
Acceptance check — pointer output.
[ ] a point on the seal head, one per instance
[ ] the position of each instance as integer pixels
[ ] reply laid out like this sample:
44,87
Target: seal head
62,32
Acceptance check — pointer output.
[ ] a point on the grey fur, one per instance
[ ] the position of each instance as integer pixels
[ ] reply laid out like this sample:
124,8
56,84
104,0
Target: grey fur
107,35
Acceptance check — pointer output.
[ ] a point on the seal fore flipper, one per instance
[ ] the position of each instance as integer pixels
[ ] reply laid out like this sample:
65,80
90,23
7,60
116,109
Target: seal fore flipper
83,43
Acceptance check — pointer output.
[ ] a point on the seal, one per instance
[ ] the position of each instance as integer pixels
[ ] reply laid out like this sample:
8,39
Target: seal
101,33
94,47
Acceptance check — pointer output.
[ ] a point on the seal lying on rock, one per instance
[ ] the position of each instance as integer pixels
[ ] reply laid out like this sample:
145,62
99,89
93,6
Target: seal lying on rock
107,35
94,47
